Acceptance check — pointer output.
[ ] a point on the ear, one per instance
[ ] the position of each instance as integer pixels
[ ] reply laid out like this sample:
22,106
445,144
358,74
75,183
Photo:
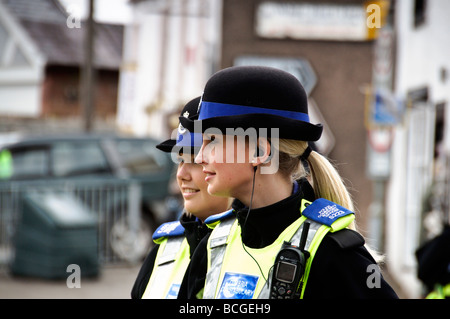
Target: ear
263,151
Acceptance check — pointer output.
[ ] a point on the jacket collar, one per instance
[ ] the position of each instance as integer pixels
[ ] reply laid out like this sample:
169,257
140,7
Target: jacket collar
263,225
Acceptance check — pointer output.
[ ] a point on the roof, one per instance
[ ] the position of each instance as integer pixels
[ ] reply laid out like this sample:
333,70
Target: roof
45,21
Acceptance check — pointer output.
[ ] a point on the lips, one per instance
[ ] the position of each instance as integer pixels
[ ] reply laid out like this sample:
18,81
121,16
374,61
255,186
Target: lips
209,175
188,192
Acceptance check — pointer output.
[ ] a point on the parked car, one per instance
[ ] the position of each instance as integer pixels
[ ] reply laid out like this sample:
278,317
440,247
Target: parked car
107,158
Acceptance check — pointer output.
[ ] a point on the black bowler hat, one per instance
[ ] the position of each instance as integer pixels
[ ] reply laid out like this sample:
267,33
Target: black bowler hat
256,97
185,139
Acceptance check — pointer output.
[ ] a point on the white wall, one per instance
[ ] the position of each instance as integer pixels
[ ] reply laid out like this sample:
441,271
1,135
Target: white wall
167,58
21,70
423,51
20,100
421,55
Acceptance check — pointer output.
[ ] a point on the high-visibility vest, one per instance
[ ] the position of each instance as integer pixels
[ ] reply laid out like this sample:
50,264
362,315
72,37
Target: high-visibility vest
439,292
171,262
235,272
6,164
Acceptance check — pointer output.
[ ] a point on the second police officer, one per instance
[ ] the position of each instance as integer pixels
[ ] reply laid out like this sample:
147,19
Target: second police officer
161,274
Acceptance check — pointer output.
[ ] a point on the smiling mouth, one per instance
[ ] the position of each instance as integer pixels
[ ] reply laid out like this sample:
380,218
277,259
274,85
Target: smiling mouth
190,190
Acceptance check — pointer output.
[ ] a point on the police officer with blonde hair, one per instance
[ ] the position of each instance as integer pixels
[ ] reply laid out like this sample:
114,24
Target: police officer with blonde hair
291,231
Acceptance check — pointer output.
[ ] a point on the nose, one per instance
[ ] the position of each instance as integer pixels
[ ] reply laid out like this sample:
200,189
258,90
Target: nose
183,172
199,158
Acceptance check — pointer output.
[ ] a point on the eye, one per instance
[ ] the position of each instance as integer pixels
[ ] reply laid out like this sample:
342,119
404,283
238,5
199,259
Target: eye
212,138
179,160
207,139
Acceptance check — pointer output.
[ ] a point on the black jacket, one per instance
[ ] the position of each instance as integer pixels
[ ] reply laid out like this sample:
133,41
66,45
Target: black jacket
341,267
194,231
433,260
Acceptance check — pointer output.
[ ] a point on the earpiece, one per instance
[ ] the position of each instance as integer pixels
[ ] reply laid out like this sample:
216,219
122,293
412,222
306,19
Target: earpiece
248,213
259,151
254,160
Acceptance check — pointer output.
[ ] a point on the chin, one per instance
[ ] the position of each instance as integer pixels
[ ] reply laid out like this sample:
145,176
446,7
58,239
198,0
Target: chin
189,206
212,190
218,192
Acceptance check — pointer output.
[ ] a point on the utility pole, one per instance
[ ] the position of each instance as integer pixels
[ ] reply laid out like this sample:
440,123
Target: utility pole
88,76
380,125
166,16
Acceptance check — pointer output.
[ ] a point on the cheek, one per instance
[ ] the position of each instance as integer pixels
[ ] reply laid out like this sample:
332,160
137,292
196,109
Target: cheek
232,176
178,177
198,178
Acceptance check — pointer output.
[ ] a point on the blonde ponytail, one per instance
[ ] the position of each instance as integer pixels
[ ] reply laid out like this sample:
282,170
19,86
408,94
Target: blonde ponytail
325,179
327,182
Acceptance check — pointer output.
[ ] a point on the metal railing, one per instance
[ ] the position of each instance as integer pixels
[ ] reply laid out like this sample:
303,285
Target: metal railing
115,204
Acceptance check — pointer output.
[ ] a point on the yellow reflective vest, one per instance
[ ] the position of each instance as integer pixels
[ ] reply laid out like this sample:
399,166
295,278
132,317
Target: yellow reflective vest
171,262
6,164
235,272
439,292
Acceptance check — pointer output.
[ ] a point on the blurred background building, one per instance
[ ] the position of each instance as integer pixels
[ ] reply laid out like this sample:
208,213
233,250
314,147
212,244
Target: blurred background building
418,193
376,73
43,55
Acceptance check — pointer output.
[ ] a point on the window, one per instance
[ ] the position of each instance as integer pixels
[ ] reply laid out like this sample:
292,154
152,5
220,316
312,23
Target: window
439,129
78,158
29,163
11,54
139,156
3,39
420,7
418,166
19,58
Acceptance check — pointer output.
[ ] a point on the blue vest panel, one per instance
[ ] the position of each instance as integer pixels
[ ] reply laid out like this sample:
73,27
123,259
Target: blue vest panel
170,229
325,212
219,217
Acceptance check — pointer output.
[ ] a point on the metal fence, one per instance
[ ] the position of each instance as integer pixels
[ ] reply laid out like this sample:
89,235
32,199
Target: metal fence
115,204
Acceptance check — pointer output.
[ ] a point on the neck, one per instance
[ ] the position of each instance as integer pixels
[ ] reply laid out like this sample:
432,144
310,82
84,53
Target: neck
269,189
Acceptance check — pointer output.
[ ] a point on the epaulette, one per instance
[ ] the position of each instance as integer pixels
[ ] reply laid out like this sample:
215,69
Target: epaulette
213,220
328,213
347,238
337,218
170,229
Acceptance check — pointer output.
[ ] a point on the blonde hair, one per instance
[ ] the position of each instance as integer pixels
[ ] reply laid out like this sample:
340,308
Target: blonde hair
325,179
